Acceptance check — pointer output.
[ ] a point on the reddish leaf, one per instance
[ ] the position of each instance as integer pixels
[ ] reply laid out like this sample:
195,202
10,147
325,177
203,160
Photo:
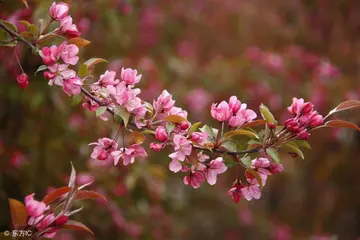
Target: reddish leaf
78,41
254,123
341,124
345,106
85,194
18,212
55,194
175,119
138,137
74,225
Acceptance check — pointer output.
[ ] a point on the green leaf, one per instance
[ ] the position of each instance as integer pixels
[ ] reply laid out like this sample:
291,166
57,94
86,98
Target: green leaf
33,29
208,130
100,111
169,127
93,61
83,70
8,44
240,132
302,143
76,99
41,68
229,162
26,23
123,114
175,119
256,175
266,114
246,161
230,146
273,154
9,25
148,132
253,141
27,35
293,148
194,127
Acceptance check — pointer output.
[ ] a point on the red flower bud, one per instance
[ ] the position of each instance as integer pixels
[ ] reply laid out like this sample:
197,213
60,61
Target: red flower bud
61,220
23,80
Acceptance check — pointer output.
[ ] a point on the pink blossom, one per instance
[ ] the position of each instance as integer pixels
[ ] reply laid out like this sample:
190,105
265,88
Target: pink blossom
156,147
275,168
34,208
108,78
164,102
221,112
199,138
68,53
211,171
135,150
58,11
234,104
251,191
235,191
68,28
316,120
45,224
260,163
72,86
130,76
83,178
161,134
126,96
90,104
61,72
296,106
49,55
175,166
49,75
194,179
178,111
104,148
23,80
182,147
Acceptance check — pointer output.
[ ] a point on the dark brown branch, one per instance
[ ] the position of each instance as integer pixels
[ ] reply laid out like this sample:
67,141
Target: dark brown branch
17,36
111,111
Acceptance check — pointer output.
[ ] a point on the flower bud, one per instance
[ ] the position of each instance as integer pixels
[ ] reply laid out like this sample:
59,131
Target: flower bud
303,135
61,220
184,125
161,134
49,75
23,80
199,138
316,120
234,104
58,11
156,147
130,76
307,108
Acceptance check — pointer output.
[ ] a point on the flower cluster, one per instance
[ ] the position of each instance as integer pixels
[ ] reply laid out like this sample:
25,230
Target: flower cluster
304,118
57,61
59,12
252,189
234,112
42,218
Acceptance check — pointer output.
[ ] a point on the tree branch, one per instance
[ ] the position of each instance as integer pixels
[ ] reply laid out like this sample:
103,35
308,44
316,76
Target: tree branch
111,111
17,36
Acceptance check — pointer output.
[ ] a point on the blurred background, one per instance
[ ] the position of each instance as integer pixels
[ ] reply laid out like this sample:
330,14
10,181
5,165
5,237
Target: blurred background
201,51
